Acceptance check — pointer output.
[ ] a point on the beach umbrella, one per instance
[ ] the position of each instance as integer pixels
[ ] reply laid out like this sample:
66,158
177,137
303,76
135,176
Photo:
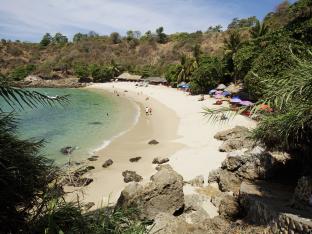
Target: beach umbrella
181,85
226,93
246,103
221,87
218,92
186,86
235,100
211,92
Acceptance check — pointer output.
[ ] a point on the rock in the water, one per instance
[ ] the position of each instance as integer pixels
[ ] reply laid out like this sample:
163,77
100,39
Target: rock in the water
159,160
229,207
67,150
135,159
164,193
153,142
198,181
130,176
107,163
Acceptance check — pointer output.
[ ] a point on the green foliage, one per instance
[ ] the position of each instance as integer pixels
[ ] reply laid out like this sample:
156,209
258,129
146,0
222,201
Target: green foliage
46,40
242,23
59,39
21,72
81,71
259,30
161,36
273,63
101,73
115,37
171,73
290,127
79,37
208,75
217,28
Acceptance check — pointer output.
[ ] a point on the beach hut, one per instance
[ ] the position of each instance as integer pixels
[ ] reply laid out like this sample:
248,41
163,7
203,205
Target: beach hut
156,80
129,77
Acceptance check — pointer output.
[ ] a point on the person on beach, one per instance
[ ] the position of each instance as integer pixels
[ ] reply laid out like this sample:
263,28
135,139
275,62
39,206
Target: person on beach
146,111
150,110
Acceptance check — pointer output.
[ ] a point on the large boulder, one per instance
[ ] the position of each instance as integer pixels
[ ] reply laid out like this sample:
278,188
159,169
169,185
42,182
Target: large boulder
164,193
196,208
130,176
234,133
159,160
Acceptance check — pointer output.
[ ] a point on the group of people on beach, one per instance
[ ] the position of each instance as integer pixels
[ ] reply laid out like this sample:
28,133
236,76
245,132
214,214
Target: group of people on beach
148,111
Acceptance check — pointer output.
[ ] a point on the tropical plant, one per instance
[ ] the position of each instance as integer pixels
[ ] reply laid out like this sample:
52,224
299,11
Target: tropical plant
259,30
161,36
46,39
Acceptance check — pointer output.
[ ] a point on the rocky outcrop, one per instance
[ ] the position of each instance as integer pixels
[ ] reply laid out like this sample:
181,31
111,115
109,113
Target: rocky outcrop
159,160
235,139
229,207
269,204
164,193
107,163
67,150
130,176
198,181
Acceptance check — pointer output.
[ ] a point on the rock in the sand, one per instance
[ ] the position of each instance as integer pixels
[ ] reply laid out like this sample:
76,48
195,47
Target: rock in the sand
227,181
236,144
232,163
82,170
153,142
164,193
234,133
196,208
135,159
67,150
92,159
198,181
107,163
130,176
159,160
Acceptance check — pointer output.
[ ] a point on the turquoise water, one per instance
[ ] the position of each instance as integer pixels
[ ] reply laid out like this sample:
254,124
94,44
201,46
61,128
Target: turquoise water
88,122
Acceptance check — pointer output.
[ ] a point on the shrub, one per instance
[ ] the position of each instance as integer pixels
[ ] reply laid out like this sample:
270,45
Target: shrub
272,64
209,73
20,73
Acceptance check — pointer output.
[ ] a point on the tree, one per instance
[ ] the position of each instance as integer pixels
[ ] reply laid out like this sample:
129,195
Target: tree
217,28
115,37
161,36
79,37
60,39
19,73
259,30
46,40
242,23
92,34
81,71
231,46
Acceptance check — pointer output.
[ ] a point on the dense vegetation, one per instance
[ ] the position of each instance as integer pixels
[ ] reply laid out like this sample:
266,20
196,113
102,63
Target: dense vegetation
272,59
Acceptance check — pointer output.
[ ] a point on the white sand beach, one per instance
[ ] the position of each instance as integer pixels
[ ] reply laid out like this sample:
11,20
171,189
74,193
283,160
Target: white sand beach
185,136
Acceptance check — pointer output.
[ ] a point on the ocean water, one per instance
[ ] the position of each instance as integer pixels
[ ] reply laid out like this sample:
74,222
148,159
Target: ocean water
89,122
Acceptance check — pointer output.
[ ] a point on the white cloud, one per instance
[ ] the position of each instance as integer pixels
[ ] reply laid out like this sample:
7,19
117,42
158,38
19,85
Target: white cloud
30,19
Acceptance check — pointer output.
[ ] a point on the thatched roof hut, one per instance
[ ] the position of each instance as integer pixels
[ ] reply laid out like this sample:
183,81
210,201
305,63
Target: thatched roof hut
156,80
128,77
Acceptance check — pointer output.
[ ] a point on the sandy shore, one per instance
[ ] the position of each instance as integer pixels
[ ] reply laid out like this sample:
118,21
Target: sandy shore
185,136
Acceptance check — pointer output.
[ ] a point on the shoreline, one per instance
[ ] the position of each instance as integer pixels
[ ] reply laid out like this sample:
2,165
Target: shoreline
185,137
133,142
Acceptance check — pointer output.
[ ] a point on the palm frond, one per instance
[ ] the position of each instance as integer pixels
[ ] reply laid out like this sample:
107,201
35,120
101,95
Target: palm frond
16,97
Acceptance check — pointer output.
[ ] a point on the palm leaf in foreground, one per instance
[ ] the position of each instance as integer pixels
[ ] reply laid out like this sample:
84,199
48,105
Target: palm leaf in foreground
17,97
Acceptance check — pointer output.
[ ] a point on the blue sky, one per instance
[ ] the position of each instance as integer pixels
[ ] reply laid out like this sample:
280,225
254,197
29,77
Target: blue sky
28,20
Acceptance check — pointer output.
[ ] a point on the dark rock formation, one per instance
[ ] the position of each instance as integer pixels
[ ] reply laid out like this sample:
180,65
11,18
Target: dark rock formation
164,193
67,150
135,159
130,176
159,160
107,163
153,142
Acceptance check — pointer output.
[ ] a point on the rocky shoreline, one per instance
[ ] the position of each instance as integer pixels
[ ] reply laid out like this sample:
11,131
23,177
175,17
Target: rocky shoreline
38,82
